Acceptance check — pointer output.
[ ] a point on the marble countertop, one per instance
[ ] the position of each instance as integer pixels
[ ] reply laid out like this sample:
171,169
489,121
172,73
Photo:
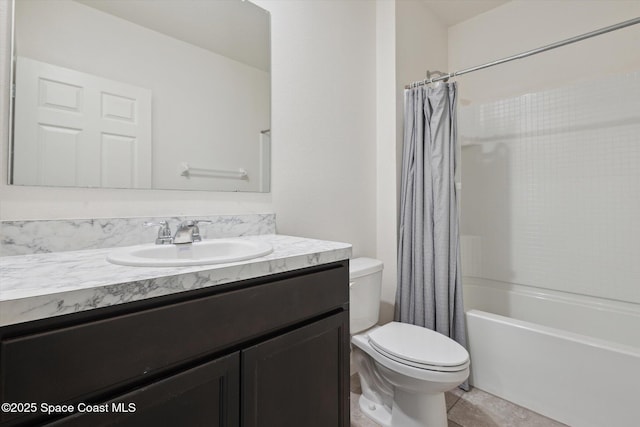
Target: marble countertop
45,285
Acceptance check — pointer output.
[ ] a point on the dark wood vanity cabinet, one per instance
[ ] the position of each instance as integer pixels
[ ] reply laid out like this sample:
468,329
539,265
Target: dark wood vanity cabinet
270,351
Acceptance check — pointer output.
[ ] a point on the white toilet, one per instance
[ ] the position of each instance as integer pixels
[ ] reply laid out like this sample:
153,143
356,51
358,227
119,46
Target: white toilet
404,369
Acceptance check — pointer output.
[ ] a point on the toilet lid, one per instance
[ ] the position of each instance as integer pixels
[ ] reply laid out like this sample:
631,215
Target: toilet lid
418,346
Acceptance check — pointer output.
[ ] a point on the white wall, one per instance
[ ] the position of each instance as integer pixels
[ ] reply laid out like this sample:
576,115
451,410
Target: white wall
521,25
550,182
324,119
386,223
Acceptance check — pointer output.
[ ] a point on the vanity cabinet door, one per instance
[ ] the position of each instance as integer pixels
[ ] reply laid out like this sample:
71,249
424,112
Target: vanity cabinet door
299,378
207,395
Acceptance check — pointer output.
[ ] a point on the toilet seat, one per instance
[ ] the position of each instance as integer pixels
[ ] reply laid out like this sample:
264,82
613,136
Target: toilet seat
419,347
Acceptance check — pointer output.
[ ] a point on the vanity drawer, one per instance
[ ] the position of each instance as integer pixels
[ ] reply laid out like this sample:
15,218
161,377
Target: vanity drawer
62,365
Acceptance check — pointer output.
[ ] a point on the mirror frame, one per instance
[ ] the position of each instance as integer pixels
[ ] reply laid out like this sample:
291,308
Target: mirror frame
12,91
11,118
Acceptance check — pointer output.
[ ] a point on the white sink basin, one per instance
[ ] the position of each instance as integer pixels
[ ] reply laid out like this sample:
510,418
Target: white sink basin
214,251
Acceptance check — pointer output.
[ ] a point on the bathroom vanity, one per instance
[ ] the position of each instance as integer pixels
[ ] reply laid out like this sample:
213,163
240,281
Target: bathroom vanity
263,342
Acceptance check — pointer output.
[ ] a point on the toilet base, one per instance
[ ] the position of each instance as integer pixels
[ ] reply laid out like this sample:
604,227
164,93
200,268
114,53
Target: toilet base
418,410
409,410
378,413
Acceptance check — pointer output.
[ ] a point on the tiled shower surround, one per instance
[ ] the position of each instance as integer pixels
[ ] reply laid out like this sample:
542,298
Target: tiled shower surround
551,189
32,237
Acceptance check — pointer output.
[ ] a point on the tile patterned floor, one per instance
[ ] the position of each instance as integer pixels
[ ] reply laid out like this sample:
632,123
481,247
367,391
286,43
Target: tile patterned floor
472,409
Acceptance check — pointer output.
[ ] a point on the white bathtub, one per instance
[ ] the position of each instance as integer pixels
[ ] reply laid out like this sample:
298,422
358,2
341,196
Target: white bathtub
572,358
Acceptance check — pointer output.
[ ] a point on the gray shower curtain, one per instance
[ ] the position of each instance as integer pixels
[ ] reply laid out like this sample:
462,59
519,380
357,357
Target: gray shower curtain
429,290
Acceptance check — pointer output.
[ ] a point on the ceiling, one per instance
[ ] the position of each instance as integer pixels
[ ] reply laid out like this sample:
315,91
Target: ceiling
236,29
452,12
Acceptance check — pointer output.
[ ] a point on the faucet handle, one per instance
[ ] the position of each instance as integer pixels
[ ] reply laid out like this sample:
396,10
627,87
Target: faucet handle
164,232
196,229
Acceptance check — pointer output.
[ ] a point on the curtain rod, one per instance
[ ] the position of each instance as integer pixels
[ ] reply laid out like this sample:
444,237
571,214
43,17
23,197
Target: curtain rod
528,53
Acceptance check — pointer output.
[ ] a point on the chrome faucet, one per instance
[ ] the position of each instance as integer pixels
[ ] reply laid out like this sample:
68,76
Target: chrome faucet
188,232
164,232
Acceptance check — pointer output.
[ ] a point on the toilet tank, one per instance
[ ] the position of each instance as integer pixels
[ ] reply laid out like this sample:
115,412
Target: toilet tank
365,284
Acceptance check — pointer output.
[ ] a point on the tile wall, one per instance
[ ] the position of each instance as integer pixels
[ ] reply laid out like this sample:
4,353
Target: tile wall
551,189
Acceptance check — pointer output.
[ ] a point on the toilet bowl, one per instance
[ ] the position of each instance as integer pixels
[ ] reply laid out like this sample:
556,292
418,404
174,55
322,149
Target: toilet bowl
404,369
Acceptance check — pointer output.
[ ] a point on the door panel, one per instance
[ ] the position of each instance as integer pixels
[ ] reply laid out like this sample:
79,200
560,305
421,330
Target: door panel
299,378
66,120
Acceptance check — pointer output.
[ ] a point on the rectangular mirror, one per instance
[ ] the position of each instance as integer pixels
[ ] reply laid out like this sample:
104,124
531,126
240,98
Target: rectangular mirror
162,94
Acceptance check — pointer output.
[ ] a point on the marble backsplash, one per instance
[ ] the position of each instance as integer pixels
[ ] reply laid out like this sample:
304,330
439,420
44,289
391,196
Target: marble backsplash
42,236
